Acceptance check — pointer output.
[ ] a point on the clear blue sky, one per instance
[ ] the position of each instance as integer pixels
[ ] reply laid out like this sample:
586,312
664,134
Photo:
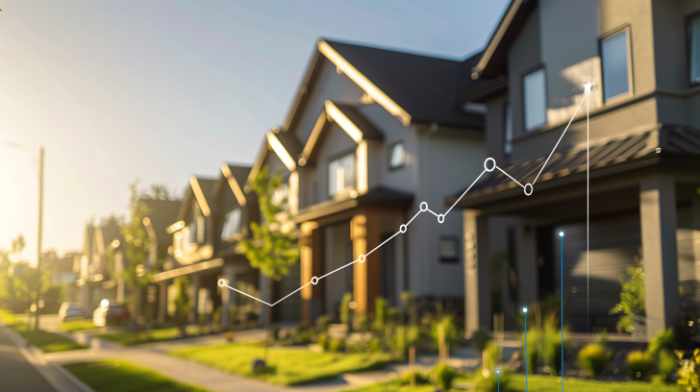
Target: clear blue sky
160,90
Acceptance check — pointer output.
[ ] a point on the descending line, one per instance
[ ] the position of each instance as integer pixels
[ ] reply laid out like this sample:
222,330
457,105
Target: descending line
571,120
489,165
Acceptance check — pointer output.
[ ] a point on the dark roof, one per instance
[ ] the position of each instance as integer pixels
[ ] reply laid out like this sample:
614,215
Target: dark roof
369,131
162,214
239,172
424,86
380,196
208,186
664,141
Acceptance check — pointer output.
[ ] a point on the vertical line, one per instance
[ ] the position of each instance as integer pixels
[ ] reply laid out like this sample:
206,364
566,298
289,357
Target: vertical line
562,275
525,357
588,210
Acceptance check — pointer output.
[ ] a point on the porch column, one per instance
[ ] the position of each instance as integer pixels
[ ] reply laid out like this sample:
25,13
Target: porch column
227,296
365,234
657,214
476,273
310,259
194,299
162,302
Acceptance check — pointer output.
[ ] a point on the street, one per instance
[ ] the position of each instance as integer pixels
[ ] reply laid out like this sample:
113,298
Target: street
17,374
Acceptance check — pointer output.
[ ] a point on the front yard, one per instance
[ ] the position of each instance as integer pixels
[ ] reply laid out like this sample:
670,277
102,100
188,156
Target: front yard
118,376
287,365
47,342
536,383
130,338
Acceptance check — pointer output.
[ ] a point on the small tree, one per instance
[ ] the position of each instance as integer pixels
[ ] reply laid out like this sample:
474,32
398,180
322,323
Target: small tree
631,305
445,334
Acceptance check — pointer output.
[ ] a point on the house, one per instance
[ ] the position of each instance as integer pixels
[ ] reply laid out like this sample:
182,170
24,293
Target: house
208,225
371,134
98,277
643,60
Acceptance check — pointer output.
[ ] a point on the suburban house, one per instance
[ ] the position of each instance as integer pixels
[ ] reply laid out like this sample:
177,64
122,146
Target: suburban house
371,134
98,276
211,215
643,60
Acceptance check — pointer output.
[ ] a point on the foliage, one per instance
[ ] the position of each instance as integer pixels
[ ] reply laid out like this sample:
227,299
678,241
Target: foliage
639,365
534,349
345,310
631,305
480,339
660,354
550,348
664,340
268,246
445,334
689,371
443,376
182,300
491,377
665,365
594,358
380,314
413,378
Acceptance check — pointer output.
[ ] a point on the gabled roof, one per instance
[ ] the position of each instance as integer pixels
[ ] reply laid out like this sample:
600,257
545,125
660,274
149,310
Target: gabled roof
415,88
662,142
493,61
284,144
161,214
349,119
202,190
236,177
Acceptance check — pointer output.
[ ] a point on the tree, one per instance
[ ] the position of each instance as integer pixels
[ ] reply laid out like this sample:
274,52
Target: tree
270,246
631,306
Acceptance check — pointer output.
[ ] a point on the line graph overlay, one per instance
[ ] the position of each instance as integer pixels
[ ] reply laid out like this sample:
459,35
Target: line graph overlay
490,165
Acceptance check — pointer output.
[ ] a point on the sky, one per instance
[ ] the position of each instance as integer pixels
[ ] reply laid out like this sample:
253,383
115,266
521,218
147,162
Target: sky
157,91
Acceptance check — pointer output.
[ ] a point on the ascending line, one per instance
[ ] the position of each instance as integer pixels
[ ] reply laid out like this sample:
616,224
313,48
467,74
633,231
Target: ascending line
489,166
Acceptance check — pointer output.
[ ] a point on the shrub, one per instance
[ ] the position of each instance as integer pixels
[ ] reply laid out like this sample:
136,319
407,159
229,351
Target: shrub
336,345
665,365
345,310
534,348
551,346
490,375
639,365
660,351
662,341
380,313
631,305
443,376
414,377
594,358
480,339
444,334
688,377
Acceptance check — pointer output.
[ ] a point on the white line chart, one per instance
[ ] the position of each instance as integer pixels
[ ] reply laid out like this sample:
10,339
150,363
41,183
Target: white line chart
490,165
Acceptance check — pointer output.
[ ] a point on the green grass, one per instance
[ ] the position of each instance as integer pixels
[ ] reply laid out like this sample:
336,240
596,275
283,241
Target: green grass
118,376
47,342
131,338
537,383
77,326
291,365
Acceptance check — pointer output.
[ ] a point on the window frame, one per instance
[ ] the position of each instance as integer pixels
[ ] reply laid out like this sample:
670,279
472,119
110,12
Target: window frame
688,24
630,64
239,226
335,158
524,75
449,260
391,149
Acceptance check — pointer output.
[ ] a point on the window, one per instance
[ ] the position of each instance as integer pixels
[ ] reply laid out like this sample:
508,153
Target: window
694,43
507,129
232,223
535,99
341,175
614,57
449,249
397,156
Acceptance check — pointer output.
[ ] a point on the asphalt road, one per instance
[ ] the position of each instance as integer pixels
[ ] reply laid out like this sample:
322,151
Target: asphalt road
16,374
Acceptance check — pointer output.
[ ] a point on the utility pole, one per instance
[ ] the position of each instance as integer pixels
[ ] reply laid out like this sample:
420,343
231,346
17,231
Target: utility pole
39,236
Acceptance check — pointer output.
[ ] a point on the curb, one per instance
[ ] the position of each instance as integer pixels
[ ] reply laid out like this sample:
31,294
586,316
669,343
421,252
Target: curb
58,377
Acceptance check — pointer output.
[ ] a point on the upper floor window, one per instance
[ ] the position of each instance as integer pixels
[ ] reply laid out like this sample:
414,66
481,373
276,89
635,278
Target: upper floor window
535,99
232,224
449,249
615,60
694,44
507,129
397,156
341,175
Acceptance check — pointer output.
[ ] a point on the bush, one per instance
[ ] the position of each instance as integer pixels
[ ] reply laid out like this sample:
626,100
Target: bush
443,376
594,358
444,334
345,310
551,346
688,377
414,377
640,365
380,314
665,365
659,352
491,375
480,339
534,348
663,341
631,305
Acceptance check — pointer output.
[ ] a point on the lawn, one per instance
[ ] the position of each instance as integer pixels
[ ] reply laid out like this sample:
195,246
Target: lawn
536,383
131,338
77,326
290,365
117,376
47,342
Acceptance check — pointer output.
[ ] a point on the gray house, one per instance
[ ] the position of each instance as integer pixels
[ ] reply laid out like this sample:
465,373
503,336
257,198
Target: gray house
643,58
370,135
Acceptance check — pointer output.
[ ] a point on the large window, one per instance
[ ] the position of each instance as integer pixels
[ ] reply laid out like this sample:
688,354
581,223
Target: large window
341,175
694,44
615,59
232,224
535,99
449,249
507,129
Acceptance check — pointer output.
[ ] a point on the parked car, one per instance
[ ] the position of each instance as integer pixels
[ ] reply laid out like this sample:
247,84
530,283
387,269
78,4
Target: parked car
110,314
70,311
